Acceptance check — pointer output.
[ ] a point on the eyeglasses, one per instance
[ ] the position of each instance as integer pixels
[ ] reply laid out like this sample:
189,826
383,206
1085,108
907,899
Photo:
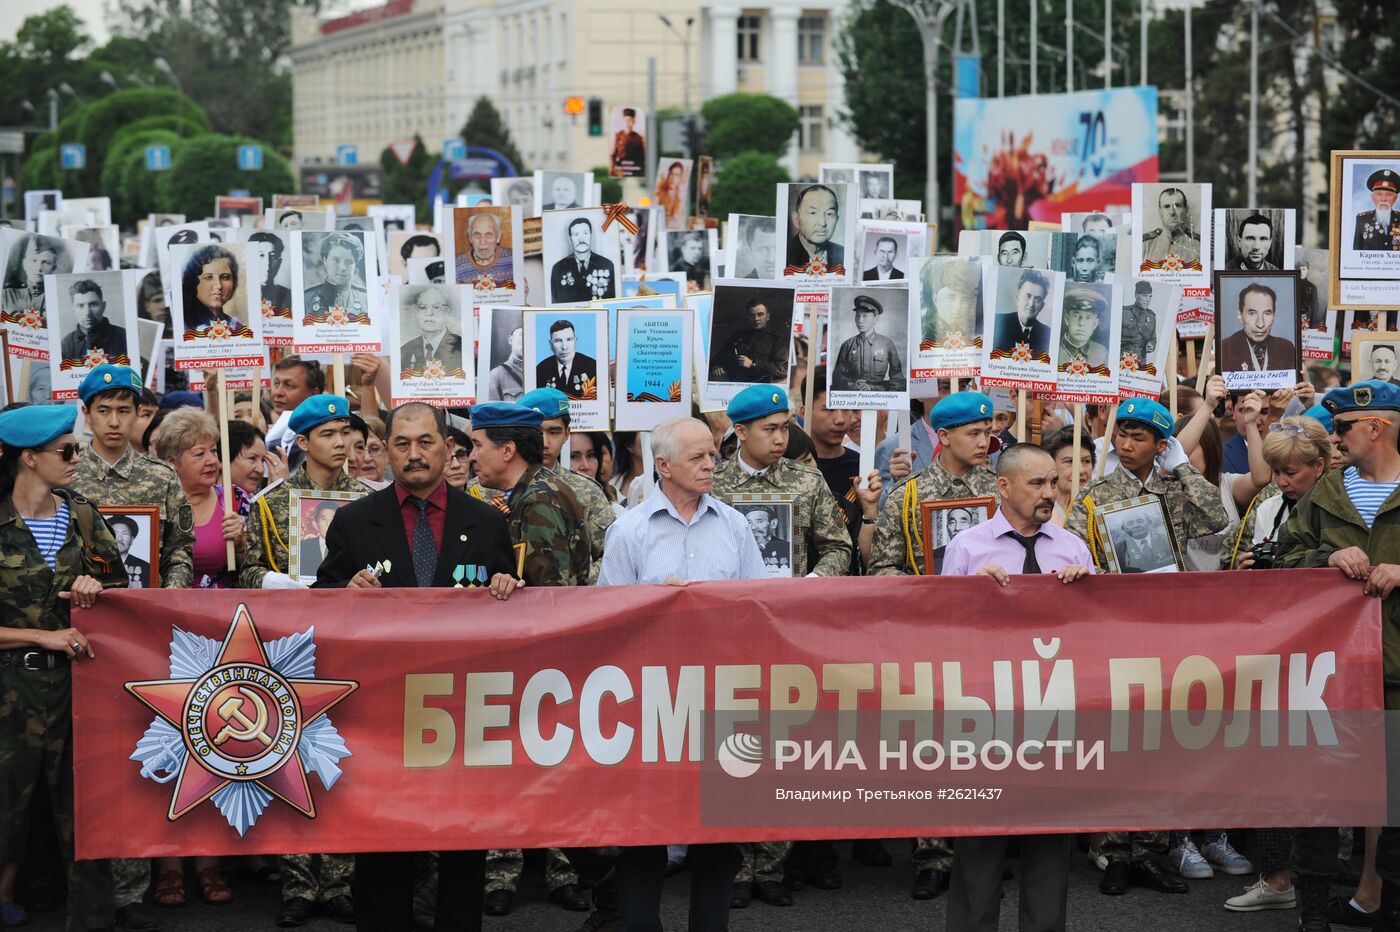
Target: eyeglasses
69,451
461,455
1340,427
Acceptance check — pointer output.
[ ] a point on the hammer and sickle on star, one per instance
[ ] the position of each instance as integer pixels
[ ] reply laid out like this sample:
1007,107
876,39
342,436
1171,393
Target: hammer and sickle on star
231,710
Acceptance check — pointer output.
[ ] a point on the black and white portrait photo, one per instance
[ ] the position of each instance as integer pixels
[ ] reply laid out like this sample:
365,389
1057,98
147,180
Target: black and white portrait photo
503,353
949,292
515,192
941,521
1257,333
690,252
869,346
752,246
750,335
1139,537
335,273
137,532
876,181
92,318
411,245
581,257
1376,356
1171,231
1084,257
430,332
561,190
1254,240
29,257
770,522
886,257
1024,298
817,226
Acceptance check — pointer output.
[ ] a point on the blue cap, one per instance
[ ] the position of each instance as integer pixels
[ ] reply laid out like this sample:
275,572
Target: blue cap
504,414
959,409
1370,395
1148,413
317,410
35,425
1321,415
174,400
107,378
755,402
549,402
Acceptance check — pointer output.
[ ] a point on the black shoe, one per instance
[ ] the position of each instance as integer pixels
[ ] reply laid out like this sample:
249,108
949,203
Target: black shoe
570,897
794,878
1114,881
871,853
498,903
742,896
134,918
601,922
1341,913
929,884
341,909
824,880
1387,915
295,912
1154,876
772,893
674,867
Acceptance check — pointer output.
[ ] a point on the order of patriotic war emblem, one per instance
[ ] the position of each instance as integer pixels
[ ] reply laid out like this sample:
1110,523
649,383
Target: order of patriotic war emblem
241,722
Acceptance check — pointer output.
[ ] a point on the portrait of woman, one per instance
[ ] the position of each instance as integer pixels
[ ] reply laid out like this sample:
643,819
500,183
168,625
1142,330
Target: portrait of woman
671,195
210,281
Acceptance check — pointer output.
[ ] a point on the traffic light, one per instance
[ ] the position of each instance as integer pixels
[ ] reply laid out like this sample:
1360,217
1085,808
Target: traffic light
595,116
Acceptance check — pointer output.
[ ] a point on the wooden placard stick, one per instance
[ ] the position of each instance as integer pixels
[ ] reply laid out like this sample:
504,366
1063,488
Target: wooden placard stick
226,405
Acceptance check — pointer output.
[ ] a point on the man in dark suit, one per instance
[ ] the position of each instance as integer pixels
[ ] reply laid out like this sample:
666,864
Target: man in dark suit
1254,348
1383,359
1032,291
433,309
814,220
1379,227
568,370
93,331
883,271
418,533
313,549
583,275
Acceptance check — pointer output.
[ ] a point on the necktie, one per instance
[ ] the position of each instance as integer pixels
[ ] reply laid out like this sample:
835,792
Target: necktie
1258,354
1032,565
424,547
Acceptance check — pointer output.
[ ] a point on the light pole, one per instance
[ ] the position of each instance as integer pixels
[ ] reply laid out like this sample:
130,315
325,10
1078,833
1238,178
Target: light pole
685,48
930,15
163,66
1253,187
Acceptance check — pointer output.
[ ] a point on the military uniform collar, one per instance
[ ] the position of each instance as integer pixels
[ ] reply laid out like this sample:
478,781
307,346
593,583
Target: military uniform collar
122,467
746,469
526,479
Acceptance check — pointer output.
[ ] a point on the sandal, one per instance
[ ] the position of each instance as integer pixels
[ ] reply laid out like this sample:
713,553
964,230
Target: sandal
213,887
170,889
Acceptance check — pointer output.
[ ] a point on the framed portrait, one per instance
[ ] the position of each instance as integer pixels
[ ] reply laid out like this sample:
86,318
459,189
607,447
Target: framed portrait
868,347
92,321
1137,537
1171,233
560,191
137,530
581,258
335,292
217,304
672,193
941,521
817,230
1254,239
568,349
27,258
1256,329
770,522
310,512
275,290
750,246
430,326
411,244
947,290
1364,230
501,354
750,336
487,248
1024,309
1375,355
691,253
515,192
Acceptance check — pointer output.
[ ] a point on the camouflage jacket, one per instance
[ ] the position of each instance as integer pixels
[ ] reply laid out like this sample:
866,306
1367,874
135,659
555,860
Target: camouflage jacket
268,521
140,480
1193,504
597,513
547,520
820,542
889,553
29,589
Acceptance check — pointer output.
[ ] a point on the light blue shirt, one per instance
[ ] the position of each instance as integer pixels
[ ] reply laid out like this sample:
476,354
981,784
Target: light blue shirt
651,543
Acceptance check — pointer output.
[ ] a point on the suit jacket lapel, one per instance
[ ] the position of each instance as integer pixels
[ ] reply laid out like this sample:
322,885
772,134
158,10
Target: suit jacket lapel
387,516
456,538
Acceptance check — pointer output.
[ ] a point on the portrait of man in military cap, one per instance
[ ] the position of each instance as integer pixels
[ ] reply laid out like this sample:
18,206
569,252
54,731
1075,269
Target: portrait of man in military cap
629,148
770,522
339,275
873,357
1139,328
1257,328
1171,238
1378,227
1083,326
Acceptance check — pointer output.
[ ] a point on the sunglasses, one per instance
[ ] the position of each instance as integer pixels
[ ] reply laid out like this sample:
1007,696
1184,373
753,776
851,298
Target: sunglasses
1340,428
69,451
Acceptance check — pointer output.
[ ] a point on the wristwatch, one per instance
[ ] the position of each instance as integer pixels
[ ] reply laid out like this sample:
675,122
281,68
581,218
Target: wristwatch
865,520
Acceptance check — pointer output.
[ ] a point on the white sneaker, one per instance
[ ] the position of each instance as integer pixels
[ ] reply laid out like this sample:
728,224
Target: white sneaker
1098,859
1261,896
1223,855
1187,861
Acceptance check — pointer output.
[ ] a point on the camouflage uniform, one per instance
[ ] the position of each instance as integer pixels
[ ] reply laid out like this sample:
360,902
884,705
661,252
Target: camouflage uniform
548,520
268,529
1195,510
820,542
139,480
36,705
598,513
504,867
889,552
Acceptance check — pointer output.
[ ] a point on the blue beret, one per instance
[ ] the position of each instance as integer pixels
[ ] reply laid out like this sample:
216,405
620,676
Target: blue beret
549,402
1370,395
182,400
317,410
504,414
1321,415
106,378
1148,413
35,425
959,409
755,402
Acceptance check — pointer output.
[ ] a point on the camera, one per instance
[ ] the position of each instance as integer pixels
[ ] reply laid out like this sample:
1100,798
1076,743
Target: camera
1264,555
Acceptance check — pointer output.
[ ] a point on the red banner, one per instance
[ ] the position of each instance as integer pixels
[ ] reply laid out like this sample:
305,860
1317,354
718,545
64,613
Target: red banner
219,722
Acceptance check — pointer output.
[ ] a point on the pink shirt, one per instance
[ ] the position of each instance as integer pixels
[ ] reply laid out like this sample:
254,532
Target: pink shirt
210,552
991,543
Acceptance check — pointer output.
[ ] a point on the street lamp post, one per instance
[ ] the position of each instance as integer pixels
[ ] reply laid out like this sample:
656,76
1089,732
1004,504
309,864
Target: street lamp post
930,16
685,50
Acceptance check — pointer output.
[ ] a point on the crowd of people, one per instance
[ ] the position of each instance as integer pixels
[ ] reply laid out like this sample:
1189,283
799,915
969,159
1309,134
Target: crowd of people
1249,481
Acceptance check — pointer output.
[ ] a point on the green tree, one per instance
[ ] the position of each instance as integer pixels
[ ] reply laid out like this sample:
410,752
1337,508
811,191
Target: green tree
134,189
485,128
98,124
408,184
208,166
612,188
744,184
51,38
736,123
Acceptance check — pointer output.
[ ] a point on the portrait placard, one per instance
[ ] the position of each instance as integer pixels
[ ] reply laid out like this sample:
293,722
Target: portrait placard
1087,257
750,246
1023,320
750,339
1137,537
628,156
561,191
92,322
515,192
426,271
1357,323
567,349
501,354
1314,286
335,297
1256,334
672,193
871,180
237,379
891,209
1171,233
1364,230
393,218
948,290
147,255
487,246
310,513
296,200
816,228
836,172
670,284
27,258
638,248
1145,329
1023,249
692,253
770,518
317,219
182,234
236,209
1088,341
702,304
704,192
39,200
655,364
275,292
868,347
1091,221
941,521
649,301
1376,356
217,306
137,531
409,245
1254,240
104,246
582,257
431,327
888,248
76,212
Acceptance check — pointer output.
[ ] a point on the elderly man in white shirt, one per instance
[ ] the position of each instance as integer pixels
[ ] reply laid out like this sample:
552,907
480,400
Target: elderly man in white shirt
678,535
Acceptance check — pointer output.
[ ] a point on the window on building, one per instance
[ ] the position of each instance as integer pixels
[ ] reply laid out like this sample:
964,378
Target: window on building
750,31
809,131
811,40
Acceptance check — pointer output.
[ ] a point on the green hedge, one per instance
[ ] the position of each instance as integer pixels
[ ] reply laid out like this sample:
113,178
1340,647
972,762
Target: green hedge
134,189
208,166
744,184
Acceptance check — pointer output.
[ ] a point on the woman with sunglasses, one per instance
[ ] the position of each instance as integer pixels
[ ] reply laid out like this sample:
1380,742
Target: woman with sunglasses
58,554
